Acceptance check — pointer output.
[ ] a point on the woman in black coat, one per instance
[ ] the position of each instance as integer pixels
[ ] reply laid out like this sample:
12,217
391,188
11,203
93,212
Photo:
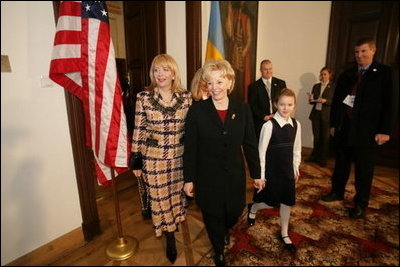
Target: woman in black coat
217,130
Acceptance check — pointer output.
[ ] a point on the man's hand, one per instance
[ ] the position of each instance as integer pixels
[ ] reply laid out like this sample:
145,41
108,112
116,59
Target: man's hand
188,189
380,139
267,117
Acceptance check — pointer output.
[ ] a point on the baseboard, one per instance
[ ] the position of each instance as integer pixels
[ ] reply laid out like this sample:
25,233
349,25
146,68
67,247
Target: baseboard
51,251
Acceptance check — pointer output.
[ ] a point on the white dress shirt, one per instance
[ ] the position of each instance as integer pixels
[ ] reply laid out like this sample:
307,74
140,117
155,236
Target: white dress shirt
318,106
267,83
265,136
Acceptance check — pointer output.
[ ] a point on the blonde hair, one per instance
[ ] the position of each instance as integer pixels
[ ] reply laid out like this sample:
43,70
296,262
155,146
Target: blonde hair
166,60
197,84
285,92
219,65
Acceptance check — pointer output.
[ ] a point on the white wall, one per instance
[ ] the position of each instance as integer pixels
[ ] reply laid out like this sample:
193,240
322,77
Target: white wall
176,34
294,36
39,197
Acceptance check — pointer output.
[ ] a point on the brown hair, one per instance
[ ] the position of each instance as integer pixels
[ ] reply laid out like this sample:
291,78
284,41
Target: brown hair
329,71
285,92
367,40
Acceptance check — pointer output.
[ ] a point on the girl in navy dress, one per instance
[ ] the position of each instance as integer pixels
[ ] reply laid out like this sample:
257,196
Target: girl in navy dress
280,155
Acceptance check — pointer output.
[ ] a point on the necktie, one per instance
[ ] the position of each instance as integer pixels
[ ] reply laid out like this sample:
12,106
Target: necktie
268,86
355,87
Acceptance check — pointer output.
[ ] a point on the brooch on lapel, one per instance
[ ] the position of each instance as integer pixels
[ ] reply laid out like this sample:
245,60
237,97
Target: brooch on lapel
374,70
233,116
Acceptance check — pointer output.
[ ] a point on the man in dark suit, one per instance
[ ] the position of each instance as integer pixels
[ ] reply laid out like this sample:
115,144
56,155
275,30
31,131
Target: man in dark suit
362,118
262,94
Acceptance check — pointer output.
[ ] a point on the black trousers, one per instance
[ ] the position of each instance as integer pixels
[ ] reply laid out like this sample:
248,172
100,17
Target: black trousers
364,163
218,226
320,130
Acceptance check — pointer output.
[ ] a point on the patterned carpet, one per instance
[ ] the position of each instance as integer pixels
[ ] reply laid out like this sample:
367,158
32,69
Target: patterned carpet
322,232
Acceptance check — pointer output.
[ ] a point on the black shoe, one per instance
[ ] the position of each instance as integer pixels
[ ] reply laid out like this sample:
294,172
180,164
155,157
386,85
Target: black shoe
310,159
146,214
219,259
331,197
250,221
322,163
288,246
227,238
171,247
357,212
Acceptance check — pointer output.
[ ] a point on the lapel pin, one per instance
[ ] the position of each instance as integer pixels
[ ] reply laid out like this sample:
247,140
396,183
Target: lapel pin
374,69
233,116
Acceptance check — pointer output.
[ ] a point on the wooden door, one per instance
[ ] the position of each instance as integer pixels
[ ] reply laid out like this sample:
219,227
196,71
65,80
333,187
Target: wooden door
145,37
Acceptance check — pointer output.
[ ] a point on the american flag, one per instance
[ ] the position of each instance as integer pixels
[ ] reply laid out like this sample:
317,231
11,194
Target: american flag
83,62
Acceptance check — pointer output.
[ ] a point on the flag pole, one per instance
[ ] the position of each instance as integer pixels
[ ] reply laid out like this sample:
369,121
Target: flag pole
123,247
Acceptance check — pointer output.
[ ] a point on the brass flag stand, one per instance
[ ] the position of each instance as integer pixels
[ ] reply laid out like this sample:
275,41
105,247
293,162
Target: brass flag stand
123,247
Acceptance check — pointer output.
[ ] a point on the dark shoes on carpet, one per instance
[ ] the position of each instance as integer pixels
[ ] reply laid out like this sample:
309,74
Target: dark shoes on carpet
250,221
321,163
331,197
357,212
227,238
219,259
310,159
287,246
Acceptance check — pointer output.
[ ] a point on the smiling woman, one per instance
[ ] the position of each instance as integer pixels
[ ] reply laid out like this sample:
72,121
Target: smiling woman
157,147
218,180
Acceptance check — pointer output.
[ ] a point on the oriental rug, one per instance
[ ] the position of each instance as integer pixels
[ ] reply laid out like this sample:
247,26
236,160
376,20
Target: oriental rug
322,232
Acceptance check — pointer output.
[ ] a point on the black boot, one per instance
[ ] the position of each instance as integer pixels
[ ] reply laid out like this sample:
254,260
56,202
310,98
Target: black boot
146,214
171,246
219,259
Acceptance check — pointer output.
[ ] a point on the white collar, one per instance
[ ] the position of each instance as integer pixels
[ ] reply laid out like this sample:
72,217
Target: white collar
265,80
281,121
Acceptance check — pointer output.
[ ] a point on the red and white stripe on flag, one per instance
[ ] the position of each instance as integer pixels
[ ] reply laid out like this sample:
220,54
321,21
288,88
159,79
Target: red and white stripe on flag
83,62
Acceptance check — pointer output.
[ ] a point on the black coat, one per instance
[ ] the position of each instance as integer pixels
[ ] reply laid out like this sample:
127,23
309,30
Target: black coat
375,106
259,100
213,158
326,107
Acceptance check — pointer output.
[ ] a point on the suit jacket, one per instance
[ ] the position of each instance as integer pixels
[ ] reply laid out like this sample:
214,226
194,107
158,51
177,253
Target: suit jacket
259,100
326,107
213,158
374,110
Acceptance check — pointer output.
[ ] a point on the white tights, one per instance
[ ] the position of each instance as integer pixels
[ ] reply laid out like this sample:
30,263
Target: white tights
284,211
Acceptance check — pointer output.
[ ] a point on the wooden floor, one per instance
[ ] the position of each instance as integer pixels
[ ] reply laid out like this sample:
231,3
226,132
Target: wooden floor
192,241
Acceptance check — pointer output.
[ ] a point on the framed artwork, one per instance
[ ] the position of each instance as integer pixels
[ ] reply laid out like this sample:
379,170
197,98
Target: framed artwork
239,21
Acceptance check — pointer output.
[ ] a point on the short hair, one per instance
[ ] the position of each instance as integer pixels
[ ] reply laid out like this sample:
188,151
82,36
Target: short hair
166,60
329,70
286,92
265,61
367,40
219,65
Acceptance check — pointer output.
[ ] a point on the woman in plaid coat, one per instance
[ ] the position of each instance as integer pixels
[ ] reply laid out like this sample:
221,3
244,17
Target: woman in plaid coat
157,146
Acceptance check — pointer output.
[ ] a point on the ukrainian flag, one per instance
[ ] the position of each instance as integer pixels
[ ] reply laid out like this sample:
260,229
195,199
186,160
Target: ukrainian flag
215,43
